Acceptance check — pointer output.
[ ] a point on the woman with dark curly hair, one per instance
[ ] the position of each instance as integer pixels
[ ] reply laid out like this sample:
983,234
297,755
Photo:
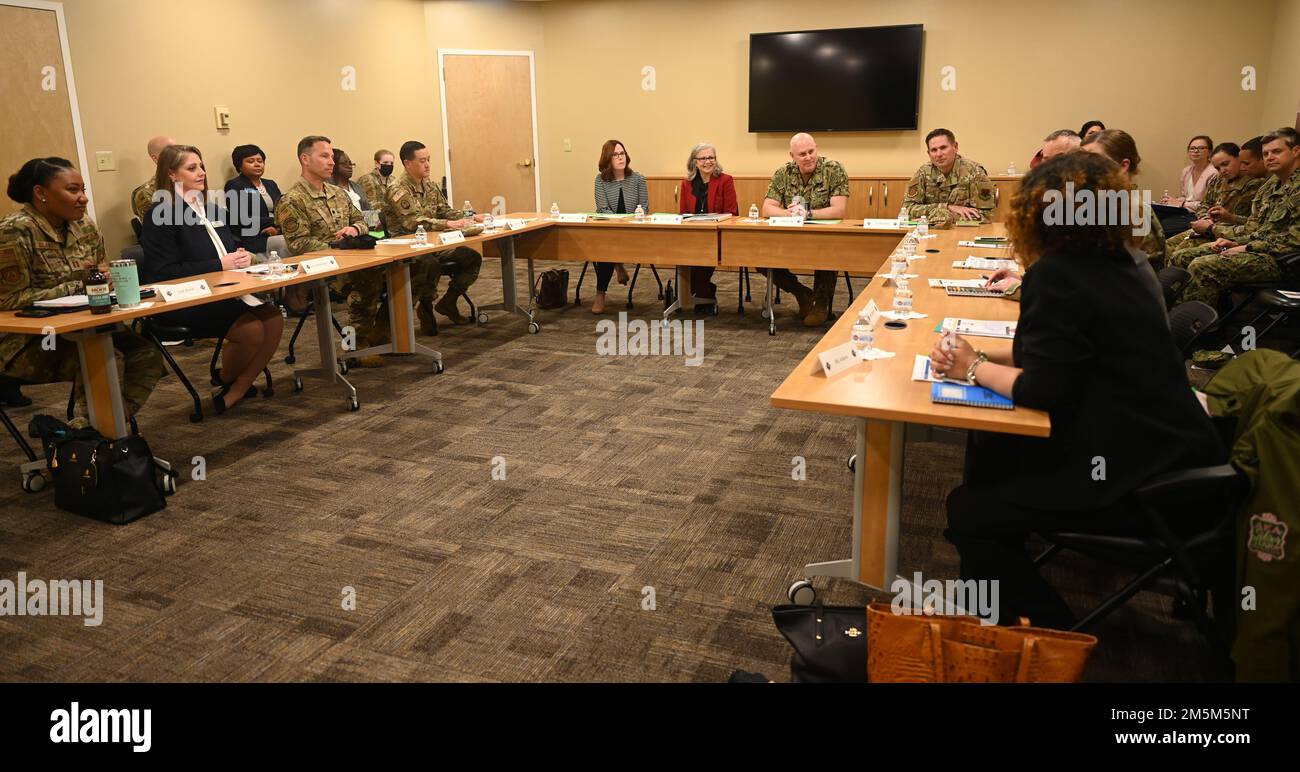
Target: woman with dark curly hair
1095,352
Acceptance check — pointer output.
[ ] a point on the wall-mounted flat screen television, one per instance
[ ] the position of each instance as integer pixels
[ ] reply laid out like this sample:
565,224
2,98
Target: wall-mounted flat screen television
859,79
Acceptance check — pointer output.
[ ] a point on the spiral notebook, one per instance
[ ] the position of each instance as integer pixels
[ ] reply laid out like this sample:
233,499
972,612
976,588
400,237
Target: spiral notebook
974,396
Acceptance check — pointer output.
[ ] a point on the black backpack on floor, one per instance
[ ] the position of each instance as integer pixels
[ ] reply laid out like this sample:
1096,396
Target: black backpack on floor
113,481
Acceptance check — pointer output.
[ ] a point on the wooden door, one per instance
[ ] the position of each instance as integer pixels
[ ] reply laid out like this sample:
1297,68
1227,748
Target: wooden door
488,112
34,89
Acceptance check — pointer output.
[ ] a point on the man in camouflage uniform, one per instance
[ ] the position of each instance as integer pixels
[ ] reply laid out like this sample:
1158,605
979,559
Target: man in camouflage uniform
375,184
142,196
949,188
823,186
1249,252
412,200
40,260
312,214
1228,196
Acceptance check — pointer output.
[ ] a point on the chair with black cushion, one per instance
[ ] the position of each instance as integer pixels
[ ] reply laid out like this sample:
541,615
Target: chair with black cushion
1172,281
159,333
448,265
279,244
1184,550
1288,265
1187,321
1278,307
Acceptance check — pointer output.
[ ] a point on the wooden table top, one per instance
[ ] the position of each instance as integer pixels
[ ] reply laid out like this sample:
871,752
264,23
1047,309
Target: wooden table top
883,389
843,226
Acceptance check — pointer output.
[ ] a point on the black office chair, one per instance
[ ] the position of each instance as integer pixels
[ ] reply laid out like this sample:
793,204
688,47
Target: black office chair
33,469
1187,321
1172,281
1288,265
1280,308
1186,551
157,332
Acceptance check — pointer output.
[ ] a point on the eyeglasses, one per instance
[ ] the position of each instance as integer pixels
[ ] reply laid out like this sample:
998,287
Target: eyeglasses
707,158
618,155
1197,149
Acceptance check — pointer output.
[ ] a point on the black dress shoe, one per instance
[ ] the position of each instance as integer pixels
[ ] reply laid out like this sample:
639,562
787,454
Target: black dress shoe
11,395
219,400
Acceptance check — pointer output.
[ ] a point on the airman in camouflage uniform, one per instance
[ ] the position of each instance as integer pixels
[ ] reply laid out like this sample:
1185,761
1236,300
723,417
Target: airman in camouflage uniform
142,199
375,184
1236,196
1272,231
410,203
40,262
1153,243
931,191
827,180
309,218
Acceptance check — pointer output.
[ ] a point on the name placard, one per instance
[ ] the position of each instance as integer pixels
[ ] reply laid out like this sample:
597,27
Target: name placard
872,312
318,265
186,290
795,221
571,218
515,225
666,219
836,360
451,237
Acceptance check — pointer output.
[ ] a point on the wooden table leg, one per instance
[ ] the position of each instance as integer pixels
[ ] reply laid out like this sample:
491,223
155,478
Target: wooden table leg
401,325
99,376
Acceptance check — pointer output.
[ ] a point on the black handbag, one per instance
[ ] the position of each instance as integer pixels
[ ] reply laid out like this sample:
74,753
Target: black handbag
113,481
830,642
552,289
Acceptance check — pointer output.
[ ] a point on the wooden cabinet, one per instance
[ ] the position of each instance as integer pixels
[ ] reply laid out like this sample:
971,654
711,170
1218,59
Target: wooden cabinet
878,196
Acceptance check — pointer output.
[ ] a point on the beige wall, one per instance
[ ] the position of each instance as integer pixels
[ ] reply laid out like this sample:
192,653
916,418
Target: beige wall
1281,82
143,67
1023,68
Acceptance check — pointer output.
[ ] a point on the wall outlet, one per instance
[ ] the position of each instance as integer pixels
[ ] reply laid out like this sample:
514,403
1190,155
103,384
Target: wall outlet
104,161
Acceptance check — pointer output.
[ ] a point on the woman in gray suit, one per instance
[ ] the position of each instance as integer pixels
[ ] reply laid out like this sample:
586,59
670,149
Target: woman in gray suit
619,190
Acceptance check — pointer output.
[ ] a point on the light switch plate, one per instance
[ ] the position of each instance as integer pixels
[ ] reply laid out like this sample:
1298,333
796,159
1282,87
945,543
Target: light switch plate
568,145
222,115
104,161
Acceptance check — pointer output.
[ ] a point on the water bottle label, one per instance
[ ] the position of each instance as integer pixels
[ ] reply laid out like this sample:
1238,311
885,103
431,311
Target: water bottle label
98,295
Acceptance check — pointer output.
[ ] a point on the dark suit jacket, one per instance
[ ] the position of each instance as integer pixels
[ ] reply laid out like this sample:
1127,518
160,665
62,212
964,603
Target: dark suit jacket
256,216
1097,354
177,250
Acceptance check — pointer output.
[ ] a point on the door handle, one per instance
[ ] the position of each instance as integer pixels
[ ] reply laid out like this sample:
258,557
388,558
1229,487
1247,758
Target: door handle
885,187
525,162
676,190
871,194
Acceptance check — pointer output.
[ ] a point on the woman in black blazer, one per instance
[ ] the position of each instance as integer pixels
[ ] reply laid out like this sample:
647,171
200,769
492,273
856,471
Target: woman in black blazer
179,239
252,207
1093,349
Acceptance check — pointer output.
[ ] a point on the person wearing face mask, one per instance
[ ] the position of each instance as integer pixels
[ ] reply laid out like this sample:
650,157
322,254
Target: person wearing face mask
251,200
45,248
182,237
343,178
375,184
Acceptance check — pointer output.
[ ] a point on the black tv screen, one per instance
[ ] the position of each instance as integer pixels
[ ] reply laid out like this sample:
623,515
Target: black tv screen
859,79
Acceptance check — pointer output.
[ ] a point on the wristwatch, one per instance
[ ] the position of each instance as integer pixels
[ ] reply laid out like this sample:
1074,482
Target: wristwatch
980,356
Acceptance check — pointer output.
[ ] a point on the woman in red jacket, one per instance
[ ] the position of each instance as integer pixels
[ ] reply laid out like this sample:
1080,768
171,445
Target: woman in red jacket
706,190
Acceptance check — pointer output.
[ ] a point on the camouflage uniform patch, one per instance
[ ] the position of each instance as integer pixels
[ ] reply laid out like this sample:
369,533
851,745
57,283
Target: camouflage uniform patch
930,191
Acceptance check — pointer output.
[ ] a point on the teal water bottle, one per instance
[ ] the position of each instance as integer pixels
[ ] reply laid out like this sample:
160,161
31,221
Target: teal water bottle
126,282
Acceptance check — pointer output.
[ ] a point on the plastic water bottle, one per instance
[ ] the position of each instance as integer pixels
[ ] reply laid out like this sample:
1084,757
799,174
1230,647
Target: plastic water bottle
923,226
898,264
902,217
555,211
909,245
420,236
489,222
468,210
273,261
639,214
863,337
797,207
1011,169
753,213
902,297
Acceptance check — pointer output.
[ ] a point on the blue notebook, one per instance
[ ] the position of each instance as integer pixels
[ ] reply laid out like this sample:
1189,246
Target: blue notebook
974,396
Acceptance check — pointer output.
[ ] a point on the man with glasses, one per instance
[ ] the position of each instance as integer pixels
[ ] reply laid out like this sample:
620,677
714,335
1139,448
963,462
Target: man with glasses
822,187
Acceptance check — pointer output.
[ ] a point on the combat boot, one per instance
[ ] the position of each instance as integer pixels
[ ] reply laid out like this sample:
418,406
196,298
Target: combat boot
424,312
446,306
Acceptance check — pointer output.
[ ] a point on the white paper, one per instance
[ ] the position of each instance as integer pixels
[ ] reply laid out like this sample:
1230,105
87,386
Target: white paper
896,316
980,245
867,355
982,328
68,301
396,242
1289,294
985,263
921,372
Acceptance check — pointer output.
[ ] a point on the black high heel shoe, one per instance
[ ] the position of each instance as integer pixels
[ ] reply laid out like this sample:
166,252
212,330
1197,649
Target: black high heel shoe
219,400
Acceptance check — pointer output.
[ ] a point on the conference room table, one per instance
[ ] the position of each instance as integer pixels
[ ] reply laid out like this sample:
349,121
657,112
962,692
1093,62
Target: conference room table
881,397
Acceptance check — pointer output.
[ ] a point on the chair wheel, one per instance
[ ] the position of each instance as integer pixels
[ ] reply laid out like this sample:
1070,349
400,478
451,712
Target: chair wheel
663,322
853,462
169,484
767,314
534,327
802,592
33,482
290,359
343,367
297,384
771,330
353,404
438,367
482,317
